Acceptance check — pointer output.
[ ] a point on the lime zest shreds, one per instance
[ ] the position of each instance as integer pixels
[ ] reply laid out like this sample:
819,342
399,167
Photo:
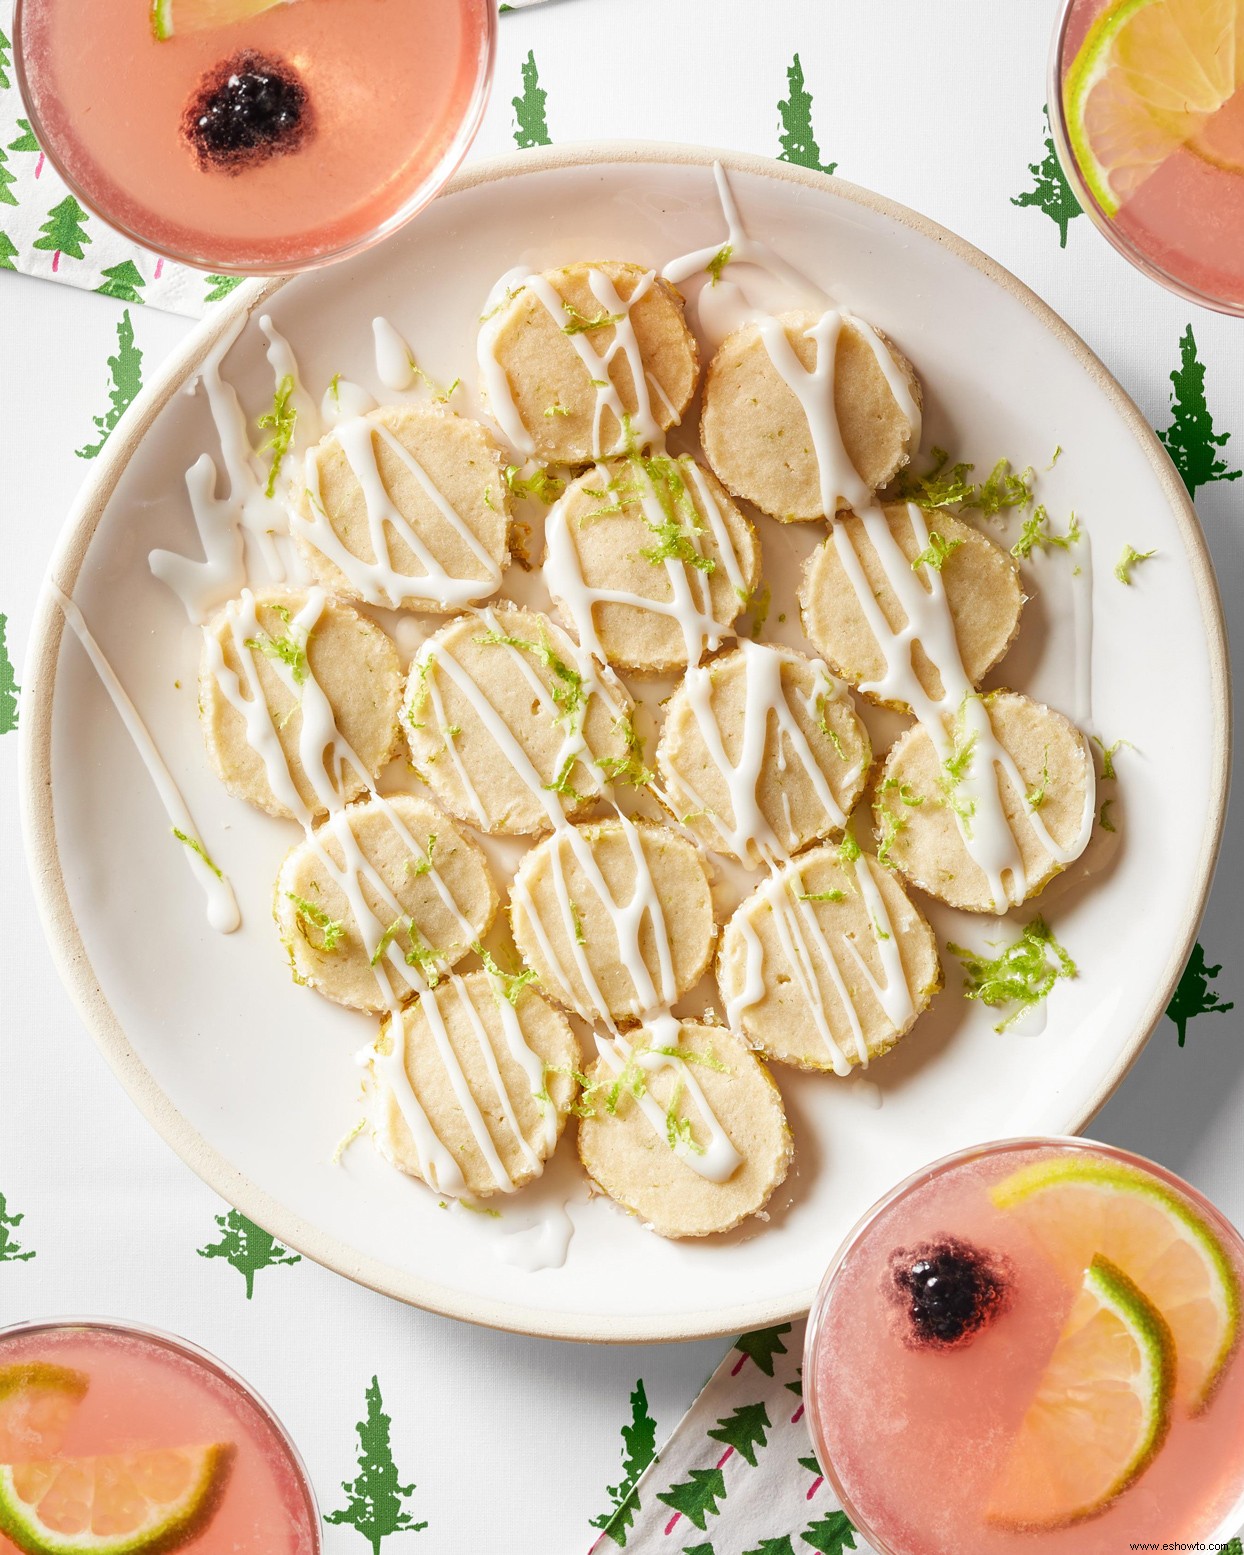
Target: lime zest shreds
628,769
285,649
687,1055
822,723
678,1133
334,388
939,551
511,983
680,525
561,783
1037,535
579,324
332,930
956,766
759,602
1130,557
1002,489
557,409
939,486
541,485
1108,773
1037,795
196,846
1022,974
1055,457
848,848
480,1209
891,826
576,922
386,939
346,1140
424,865
904,791
440,394
832,895
1103,816
719,261
281,421
567,691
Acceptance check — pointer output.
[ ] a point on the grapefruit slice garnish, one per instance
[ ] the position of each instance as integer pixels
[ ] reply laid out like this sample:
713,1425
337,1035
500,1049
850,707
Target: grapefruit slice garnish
137,1503
1100,1412
1077,1206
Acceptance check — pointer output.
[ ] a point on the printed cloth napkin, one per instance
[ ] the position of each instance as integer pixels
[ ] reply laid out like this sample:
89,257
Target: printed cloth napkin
45,230
738,1476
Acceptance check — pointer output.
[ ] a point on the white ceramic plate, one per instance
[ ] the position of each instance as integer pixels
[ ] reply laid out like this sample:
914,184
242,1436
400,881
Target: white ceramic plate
251,1079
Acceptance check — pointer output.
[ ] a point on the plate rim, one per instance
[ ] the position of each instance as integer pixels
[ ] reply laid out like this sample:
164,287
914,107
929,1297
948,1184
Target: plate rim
38,827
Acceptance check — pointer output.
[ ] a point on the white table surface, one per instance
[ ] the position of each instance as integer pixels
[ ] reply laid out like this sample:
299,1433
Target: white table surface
512,1442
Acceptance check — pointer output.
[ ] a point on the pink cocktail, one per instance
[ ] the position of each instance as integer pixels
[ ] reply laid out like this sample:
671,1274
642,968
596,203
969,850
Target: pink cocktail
1033,1349
1147,110
140,1426
273,142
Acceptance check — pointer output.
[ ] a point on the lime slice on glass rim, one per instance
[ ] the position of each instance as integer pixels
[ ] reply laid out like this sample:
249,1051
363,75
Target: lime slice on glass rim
170,17
1075,1207
1147,79
137,1503
1100,1412
37,1402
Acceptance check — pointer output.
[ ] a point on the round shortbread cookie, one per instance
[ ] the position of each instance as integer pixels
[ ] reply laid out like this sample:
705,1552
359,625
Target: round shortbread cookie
649,562
763,751
614,918
507,719
789,966
627,1153
477,1136
978,580
557,361
407,507
756,433
423,883
915,807
258,648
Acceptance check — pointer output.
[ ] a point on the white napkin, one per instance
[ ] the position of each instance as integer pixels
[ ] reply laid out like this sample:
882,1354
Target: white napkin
738,1476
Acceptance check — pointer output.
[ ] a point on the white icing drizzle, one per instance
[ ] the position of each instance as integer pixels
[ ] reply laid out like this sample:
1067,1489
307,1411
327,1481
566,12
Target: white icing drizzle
378,581
987,836
639,427
749,834
690,603
395,361
841,483
222,906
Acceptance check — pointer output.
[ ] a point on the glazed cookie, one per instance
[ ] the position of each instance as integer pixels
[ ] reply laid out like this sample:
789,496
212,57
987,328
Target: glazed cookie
473,1095
614,918
940,556
759,437
827,961
763,752
649,562
265,657
646,1141
406,507
419,881
1046,787
583,362
507,721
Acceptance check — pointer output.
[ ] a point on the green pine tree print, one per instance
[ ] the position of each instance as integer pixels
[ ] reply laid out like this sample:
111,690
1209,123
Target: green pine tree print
7,197
696,1497
1194,996
1191,439
126,372
375,1497
5,66
1233,1547
530,127
798,139
7,250
744,1430
248,1247
697,1549
8,688
639,1447
1051,192
11,1251
64,232
813,1468
123,281
781,1546
26,140
763,1347
219,286
830,1535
